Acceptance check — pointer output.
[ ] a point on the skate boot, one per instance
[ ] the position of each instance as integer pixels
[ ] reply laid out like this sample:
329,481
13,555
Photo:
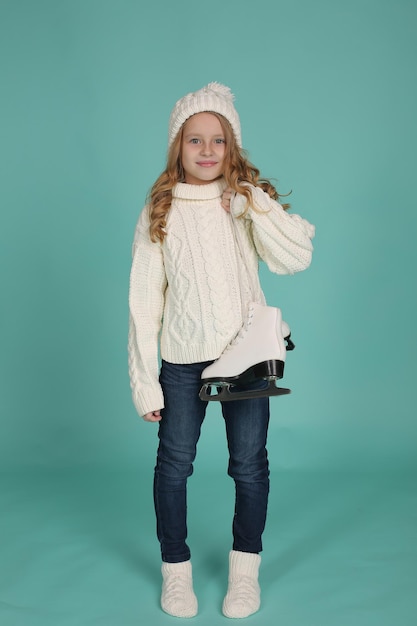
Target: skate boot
257,352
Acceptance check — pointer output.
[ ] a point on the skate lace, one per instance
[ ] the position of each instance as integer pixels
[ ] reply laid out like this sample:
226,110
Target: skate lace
243,330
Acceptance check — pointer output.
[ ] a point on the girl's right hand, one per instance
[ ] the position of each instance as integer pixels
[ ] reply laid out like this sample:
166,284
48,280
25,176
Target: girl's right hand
154,416
227,196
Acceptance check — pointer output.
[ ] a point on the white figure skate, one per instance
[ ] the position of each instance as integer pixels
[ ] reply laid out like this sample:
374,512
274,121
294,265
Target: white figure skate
257,352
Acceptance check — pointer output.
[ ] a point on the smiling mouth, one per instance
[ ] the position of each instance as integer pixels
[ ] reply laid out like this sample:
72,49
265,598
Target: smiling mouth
206,163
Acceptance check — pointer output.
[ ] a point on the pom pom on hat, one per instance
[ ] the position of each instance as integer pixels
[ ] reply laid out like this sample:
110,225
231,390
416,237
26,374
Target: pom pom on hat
214,97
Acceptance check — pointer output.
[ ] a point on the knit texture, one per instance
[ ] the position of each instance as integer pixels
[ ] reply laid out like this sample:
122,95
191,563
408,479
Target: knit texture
178,598
243,597
188,292
215,98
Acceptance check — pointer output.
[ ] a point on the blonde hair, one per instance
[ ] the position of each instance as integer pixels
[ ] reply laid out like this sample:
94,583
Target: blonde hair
237,171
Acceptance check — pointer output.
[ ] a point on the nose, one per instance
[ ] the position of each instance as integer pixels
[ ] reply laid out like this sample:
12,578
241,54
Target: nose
206,148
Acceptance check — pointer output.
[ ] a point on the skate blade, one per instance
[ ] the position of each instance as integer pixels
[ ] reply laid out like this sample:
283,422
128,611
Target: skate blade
225,395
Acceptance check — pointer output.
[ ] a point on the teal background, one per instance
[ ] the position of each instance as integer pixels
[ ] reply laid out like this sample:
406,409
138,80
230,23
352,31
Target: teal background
326,92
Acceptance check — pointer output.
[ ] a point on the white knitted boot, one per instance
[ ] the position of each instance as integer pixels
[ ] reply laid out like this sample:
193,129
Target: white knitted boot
243,594
178,597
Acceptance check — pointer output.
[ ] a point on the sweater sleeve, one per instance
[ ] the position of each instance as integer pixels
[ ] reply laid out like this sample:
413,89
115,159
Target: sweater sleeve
281,239
146,305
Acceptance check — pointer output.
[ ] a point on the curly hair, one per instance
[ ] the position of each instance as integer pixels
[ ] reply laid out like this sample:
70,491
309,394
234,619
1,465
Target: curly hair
238,171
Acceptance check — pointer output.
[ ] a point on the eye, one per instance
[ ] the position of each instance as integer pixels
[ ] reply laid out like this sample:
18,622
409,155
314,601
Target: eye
194,140
220,140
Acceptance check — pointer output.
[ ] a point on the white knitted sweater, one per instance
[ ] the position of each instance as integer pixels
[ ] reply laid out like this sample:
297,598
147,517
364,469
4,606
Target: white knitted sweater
186,295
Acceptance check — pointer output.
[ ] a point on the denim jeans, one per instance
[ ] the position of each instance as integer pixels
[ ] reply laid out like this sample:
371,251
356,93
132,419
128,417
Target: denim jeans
246,424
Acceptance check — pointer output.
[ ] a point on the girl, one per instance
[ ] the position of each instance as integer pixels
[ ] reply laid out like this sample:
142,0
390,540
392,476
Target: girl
186,294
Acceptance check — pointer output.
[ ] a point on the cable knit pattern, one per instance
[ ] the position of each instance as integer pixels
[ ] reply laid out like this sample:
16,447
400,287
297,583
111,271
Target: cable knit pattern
186,291
218,290
184,320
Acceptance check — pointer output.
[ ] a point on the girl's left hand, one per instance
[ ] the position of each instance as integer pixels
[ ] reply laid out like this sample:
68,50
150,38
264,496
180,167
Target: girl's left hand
227,199
153,416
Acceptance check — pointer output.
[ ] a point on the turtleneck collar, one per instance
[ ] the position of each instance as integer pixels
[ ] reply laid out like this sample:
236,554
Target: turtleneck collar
199,192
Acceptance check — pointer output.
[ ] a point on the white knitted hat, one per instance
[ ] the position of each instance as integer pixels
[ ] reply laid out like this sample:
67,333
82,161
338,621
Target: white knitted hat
214,97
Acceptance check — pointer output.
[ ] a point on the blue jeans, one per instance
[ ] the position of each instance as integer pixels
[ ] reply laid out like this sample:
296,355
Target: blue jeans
179,431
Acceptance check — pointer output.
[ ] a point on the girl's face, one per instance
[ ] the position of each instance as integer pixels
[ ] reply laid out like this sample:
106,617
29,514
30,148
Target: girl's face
203,149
